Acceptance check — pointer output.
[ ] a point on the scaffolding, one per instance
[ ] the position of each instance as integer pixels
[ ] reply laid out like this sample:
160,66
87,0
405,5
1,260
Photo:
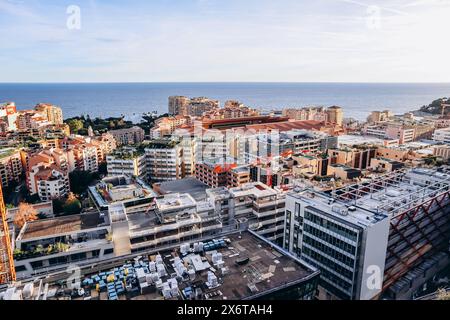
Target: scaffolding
7,271
419,217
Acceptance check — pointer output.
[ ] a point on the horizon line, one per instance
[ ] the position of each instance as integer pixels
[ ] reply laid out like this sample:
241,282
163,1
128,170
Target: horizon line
216,82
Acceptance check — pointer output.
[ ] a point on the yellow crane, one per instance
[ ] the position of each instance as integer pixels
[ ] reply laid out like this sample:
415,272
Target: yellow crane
7,271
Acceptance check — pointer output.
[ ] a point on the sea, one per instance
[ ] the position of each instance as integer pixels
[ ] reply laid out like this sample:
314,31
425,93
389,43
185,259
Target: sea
132,100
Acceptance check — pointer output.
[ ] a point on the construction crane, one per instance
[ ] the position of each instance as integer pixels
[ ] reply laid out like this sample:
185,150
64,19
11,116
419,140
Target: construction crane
7,271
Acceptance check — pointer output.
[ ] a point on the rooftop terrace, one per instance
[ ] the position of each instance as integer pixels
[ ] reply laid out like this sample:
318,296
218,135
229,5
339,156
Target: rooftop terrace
60,226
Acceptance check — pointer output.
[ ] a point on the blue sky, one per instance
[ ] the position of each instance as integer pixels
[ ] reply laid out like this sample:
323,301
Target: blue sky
217,40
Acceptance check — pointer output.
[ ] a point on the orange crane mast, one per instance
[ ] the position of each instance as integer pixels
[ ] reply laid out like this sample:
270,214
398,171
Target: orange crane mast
7,270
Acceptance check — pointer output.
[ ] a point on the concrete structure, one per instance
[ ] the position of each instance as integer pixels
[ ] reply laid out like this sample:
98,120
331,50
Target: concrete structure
391,225
50,245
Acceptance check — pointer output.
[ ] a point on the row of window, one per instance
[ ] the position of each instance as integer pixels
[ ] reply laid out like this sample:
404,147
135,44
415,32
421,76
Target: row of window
317,259
330,239
330,225
329,251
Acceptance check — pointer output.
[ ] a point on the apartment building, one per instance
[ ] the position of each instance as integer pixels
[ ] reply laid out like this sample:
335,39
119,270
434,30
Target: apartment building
52,113
11,168
127,161
177,218
218,173
128,136
164,160
48,182
232,109
198,106
403,131
8,117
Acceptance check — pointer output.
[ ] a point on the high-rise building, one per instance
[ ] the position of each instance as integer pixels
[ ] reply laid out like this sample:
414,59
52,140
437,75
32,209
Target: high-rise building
178,104
164,160
383,238
52,113
335,115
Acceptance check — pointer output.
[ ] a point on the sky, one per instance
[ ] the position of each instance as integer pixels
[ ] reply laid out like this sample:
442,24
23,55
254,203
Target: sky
217,40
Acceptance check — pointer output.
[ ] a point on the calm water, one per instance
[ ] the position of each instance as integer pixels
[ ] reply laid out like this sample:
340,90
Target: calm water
133,99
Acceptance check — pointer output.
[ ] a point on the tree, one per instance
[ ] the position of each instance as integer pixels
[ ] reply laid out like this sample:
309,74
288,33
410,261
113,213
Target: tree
58,205
72,205
75,125
80,181
442,294
103,168
26,213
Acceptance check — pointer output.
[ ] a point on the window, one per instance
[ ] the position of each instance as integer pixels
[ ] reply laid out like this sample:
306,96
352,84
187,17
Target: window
36,264
109,251
20,268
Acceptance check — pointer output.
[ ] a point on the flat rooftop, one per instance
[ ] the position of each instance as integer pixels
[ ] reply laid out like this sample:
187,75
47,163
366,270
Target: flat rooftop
252,267
363,217
350,140
59,226
268,268
257,189
194,187
396,192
